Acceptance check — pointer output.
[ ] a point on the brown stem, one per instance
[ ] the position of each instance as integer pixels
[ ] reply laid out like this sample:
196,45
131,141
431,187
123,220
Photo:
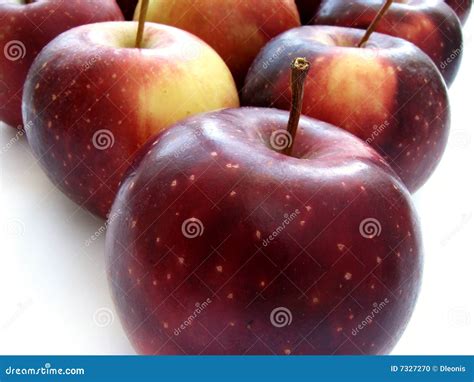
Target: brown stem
141,23
299,71
374,23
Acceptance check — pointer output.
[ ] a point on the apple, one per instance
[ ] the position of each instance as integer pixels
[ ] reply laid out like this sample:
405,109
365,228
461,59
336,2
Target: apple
307,9
387,92
128,8
461,7
92,99
25,28
236,30
431,25
224,244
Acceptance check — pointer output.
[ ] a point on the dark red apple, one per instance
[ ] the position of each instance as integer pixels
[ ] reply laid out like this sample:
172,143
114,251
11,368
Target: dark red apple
128,8
307,9
224,245
25,28
389,93
461,7
432,26
92,100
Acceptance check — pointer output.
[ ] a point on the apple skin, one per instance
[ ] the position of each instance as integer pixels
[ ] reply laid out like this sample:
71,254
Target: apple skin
307,9
219,168
128,8
432,26
461,7
20,32
389,94
247,28
91,100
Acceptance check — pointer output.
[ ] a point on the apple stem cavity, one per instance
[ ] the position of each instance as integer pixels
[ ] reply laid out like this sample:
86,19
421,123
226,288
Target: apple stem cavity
299,71
374,23
141,23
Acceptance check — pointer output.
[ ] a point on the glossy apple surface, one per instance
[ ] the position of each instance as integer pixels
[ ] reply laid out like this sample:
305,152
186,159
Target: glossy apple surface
267,253
92,99
461,7
236,30
128,8
389,93
26,28
432,26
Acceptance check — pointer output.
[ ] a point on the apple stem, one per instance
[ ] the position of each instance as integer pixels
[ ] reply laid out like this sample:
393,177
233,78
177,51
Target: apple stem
141,23
374,23
299,71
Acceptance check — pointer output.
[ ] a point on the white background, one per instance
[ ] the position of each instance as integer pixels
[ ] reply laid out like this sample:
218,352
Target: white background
54,296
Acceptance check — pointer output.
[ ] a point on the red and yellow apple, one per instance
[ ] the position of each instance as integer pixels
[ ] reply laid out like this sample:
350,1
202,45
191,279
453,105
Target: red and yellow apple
431,25
92,99
388,92
25,28
236,30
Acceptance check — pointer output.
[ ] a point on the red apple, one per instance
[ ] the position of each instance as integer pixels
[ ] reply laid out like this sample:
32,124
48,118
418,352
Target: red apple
236,30
223,245
128,8
461,7
307,9
388,92
25,28
92,99
432,26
